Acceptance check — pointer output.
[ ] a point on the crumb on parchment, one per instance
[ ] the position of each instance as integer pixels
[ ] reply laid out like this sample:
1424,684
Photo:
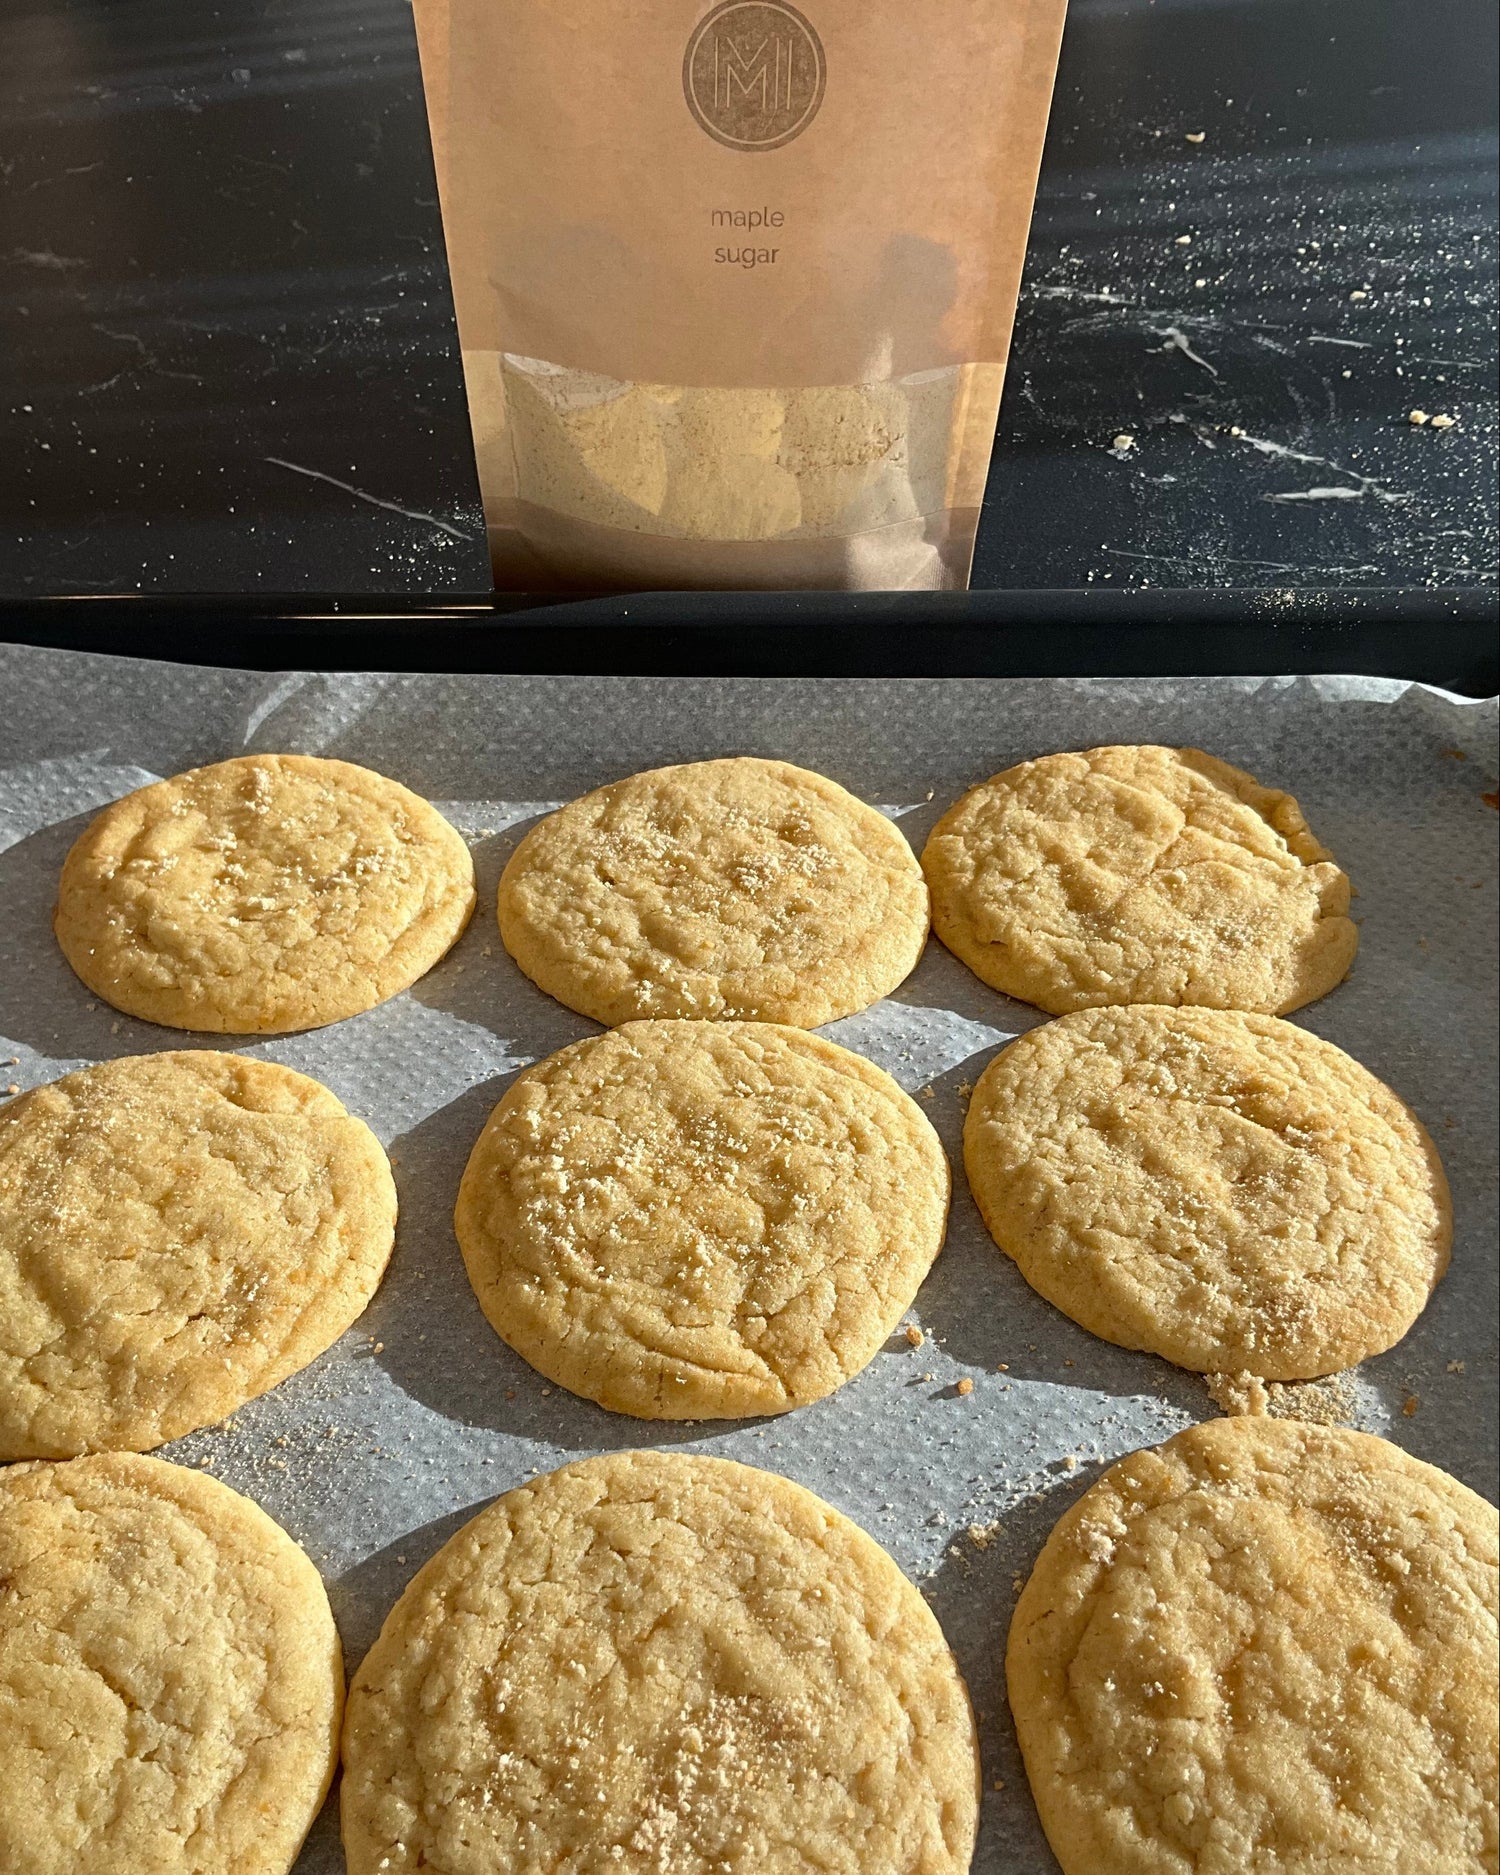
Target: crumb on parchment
1329,1401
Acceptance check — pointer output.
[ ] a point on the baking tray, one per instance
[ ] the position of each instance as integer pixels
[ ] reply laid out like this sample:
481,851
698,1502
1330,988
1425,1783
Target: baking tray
380,1450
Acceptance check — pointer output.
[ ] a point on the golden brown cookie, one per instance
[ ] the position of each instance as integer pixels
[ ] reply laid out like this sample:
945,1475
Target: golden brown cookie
264,894
178,1233
171,1681
1222,1189
698,1220
1266,1646
1139,875
647,1663
726,889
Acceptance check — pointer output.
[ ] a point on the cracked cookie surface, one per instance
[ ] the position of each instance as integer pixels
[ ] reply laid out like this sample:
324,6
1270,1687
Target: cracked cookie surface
1269,1646
727,889
171,1680
654,1664
262,895
1139,875
178,1233
1225,1190
693,1220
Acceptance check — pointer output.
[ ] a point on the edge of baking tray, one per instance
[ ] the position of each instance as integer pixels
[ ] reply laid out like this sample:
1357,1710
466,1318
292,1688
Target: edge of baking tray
1447,638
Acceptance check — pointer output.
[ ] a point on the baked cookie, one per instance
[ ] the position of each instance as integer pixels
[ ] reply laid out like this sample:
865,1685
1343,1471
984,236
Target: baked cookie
1224,1190
701,1220
739,888
1266,1646
171,1681
178,1233
648,1662
1139,875
263,894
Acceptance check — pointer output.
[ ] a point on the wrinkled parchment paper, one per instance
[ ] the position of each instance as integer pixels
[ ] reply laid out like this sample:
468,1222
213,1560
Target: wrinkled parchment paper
376,1454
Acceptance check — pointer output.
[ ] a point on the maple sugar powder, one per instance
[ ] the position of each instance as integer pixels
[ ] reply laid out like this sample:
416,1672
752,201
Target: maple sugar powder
727,464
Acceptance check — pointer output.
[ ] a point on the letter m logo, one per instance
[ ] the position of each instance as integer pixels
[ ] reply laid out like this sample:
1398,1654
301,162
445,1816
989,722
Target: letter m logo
762,77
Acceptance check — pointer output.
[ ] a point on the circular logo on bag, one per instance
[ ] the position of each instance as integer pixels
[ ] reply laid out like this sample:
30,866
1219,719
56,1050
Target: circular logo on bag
754,74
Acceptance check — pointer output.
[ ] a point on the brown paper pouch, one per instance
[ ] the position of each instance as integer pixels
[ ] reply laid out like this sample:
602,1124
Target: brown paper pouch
735,282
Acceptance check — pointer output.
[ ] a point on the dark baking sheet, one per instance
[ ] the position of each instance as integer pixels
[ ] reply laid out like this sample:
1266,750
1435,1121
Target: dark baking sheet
1447,638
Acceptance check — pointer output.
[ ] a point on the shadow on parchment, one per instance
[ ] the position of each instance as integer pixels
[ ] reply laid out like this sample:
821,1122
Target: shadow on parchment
480,982
973,1592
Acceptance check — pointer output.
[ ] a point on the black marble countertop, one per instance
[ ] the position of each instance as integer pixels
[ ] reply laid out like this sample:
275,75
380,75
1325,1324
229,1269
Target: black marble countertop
1266,233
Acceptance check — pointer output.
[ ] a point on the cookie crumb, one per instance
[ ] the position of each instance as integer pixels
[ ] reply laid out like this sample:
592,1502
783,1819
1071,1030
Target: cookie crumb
1444,422
914,1335
1193,136
965,1387
981,1535
1239,1395
1416,418
1412,1405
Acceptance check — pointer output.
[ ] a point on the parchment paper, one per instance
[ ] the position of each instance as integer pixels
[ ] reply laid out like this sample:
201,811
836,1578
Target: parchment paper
376,1454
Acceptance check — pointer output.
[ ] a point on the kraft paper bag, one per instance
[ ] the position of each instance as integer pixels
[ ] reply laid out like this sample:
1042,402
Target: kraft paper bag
735,282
